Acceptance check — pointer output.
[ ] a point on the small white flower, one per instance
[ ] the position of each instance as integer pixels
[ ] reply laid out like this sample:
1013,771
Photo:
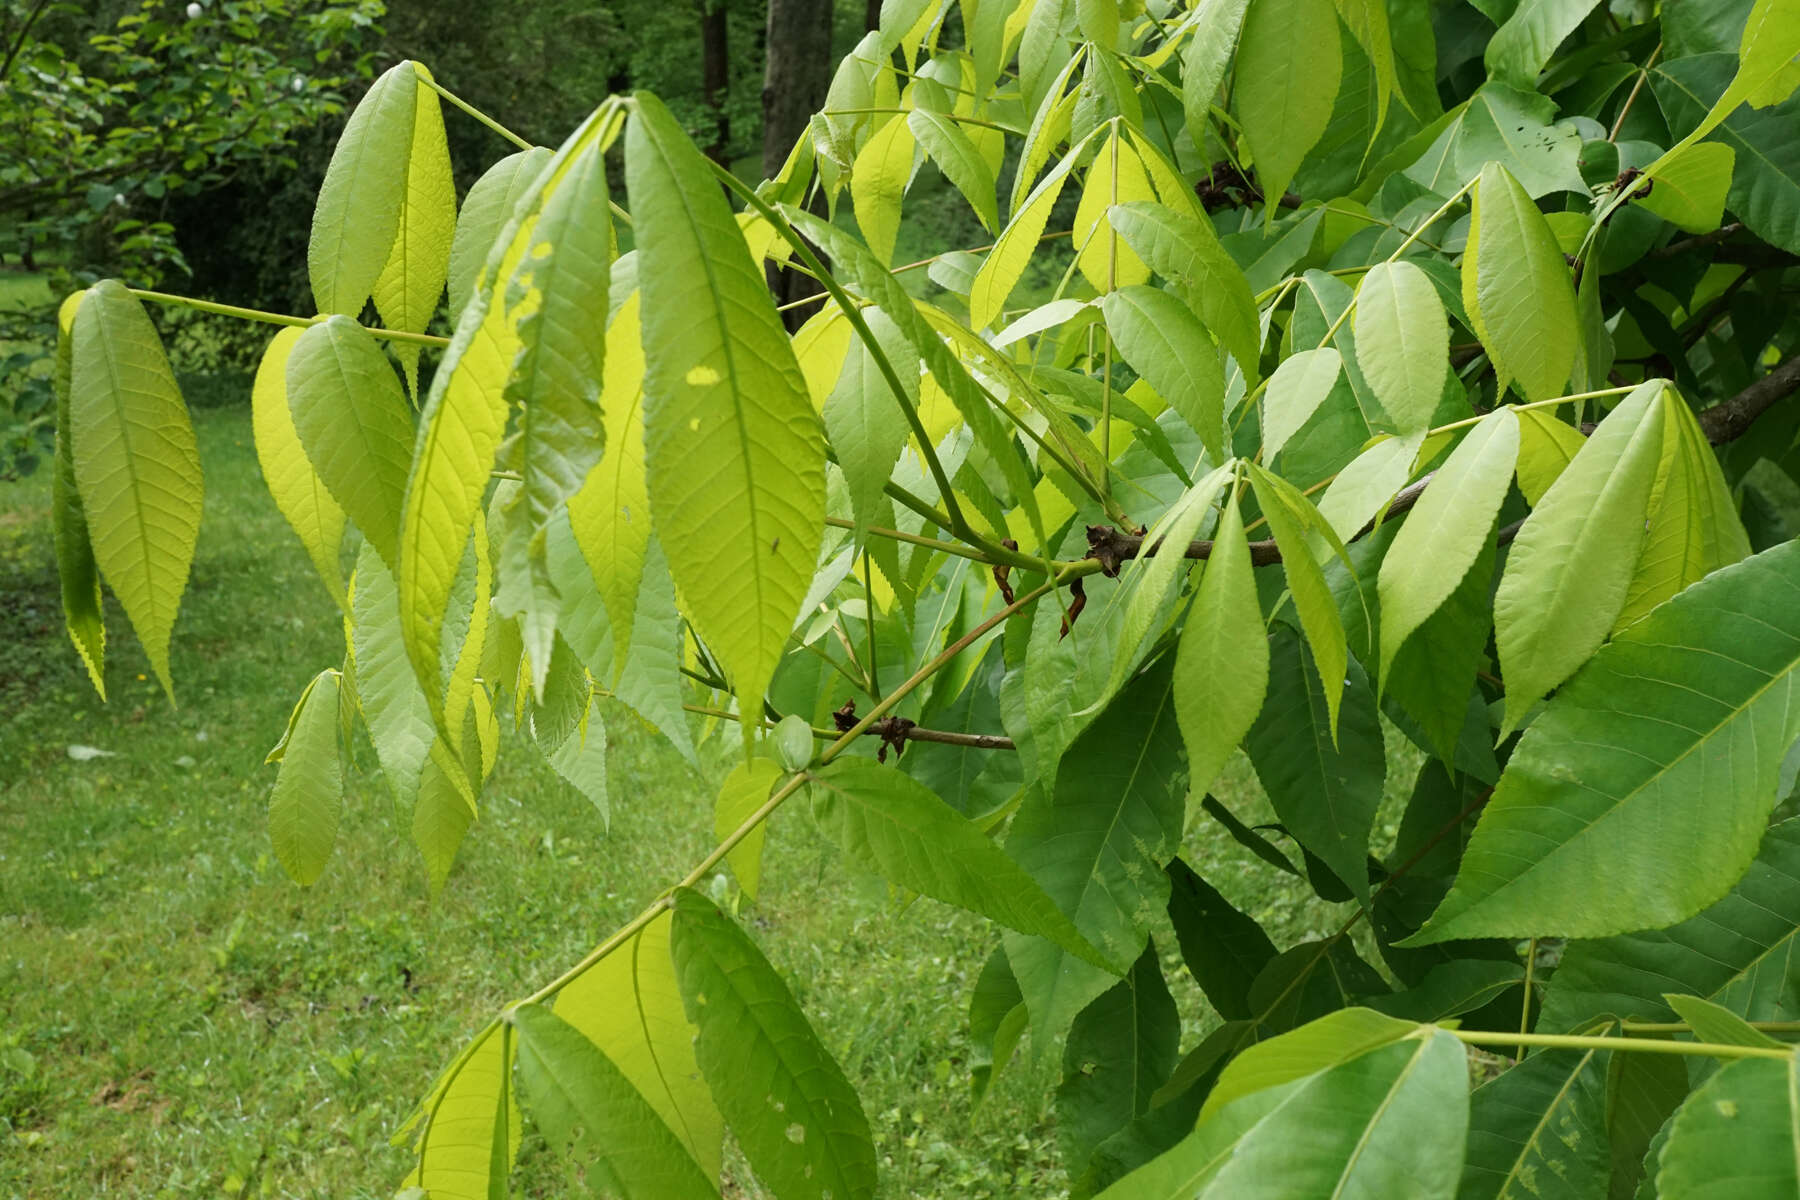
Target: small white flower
193,11
299,84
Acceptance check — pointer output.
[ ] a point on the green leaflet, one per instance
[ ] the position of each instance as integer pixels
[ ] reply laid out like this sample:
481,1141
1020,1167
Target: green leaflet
1296,390
1516,288
587,1107
997,1018
364,190
653,1046
471,1128
304,500
1367,21
1373,478
956,156
1402,342
1737,953
722,388
1694,527
1222,662
1116,175
485,212
309,791
1324,778
442,813
1765,167
1286,80
1292,517
1765,73
406,292
1546,447
1444,533
1224,949
1569,570
784,1097
1433,671
1381,1120
393,707
651,680
1184,250
1738,1134
557,299
1713,1023
866,424
744,791
75,568
1206,59
1690,188
1530,36
1681,722
1097,844
580,758
136,465
1166,344
1330,1041
352,418
1006,262
891,824
878,181
1120,1048
610,513
1544,1118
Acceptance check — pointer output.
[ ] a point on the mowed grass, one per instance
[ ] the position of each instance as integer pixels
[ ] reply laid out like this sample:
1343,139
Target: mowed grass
178,1019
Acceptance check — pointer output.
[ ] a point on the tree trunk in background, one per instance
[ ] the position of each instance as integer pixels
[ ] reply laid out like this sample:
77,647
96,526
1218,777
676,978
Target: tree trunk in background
715,75
871,16
800,64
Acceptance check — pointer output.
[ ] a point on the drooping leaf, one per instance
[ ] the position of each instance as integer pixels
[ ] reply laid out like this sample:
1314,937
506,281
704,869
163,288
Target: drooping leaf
1433,671
1292,518
1681,722
962,164
867,426
1013,250
1205,60
722,388
889,823
1324,789
1741,952
1186,251
784,1097
1224,949
393,707
1402,342
1738,1134
589,1109
1097,844
1286,78
136,464
743,792
1296,390
1117,175
1166,344
351,416
1569,570
878,180
1516,288
469,1127
407,291
364,190
1543,1119
485,211
1444,533
1120,1049
309,791
442,813
1222,663
299,493
76,570
1546,447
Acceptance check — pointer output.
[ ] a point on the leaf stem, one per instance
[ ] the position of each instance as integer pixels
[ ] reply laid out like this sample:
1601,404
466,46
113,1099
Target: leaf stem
860,112
492,124
1575,1041
272,318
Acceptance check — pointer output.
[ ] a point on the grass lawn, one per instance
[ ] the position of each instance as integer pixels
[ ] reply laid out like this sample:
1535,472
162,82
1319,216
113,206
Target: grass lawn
177,1019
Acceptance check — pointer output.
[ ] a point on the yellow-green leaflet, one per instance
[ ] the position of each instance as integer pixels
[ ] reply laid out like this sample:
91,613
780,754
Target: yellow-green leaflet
1690,187
137,467
610,514
1402,342
1287,70
1440,539
485,211
742,793
962,164
299,493
470,1115
1291,517
1005,264
653,1047
75,568
1569,570
1116,176
309,791
878,181
407,291
1546,446
365,187
1516,288
734,450
464,417
1222,663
